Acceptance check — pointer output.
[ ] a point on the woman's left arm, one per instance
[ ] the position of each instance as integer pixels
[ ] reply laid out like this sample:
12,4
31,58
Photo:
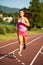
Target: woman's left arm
27,22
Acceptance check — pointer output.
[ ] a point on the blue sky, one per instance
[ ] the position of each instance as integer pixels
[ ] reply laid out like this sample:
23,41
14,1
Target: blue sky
15,3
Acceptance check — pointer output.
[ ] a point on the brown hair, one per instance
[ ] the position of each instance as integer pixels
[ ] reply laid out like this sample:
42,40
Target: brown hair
27,13
23,11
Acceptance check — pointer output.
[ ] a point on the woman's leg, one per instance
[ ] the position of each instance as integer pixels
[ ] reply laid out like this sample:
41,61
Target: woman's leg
20,38
25,39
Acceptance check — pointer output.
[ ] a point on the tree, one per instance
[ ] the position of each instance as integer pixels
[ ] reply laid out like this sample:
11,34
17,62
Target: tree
41,14
35,8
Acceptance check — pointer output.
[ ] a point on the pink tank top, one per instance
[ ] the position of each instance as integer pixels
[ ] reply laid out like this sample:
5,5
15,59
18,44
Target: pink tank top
21,26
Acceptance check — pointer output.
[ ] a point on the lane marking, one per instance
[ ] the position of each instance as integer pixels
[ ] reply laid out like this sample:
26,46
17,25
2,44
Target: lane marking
23,63
19,61
16,42
41,52
18,48
36,56
8,44
35,39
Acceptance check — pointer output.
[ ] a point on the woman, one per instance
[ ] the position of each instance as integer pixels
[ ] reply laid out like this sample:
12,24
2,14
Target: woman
22,31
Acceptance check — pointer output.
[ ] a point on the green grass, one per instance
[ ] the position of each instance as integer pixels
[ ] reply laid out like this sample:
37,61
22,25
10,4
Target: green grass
38,31
10,36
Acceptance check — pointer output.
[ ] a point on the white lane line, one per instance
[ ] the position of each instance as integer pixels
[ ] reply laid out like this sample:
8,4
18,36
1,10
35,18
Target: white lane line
8,44
23,63
41,52
36,56
16,42
34,39
19,61
18,48
9,53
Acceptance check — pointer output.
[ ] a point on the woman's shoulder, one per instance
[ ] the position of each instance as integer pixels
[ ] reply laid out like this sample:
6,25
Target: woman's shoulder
25,18
19,19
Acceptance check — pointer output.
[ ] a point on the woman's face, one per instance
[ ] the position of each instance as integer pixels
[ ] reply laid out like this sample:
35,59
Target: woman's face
21,13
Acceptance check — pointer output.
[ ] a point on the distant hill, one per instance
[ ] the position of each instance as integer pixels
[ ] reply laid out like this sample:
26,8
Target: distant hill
8,9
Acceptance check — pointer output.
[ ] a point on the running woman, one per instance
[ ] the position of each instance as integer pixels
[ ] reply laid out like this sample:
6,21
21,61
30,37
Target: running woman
22,31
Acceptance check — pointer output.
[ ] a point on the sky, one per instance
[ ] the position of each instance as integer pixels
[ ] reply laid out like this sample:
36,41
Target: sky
15,3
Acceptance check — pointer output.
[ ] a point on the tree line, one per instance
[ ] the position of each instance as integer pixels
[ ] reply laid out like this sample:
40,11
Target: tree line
36,7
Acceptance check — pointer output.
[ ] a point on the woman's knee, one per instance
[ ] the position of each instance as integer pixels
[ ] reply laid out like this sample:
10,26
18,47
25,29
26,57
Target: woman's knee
20,39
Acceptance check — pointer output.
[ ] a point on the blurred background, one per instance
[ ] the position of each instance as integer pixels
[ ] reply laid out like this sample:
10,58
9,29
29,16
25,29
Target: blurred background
9,12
